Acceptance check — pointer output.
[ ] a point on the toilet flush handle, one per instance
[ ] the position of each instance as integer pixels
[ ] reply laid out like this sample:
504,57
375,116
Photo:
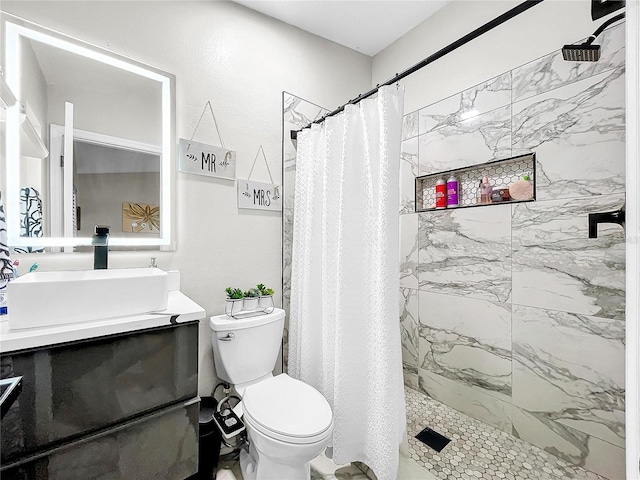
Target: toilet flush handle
230,336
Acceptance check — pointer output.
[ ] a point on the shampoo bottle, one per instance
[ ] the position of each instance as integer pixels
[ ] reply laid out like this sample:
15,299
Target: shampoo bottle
441,193
452,192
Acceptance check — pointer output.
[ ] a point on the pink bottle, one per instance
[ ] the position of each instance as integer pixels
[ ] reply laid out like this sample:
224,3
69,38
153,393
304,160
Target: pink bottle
452,192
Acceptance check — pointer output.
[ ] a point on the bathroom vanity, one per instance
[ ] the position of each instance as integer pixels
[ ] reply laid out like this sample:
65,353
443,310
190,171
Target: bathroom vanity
109,399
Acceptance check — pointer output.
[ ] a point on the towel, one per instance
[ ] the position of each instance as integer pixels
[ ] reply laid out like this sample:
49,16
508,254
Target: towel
6,269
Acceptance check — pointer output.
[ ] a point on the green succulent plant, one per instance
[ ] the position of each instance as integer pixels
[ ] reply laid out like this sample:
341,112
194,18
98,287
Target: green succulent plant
252,292
264,291
234,293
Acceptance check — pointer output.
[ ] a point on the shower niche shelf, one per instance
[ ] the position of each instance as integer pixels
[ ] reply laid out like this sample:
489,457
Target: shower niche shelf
501,173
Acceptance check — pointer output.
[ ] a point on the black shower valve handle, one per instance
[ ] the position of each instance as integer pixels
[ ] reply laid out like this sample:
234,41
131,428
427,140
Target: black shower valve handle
617,216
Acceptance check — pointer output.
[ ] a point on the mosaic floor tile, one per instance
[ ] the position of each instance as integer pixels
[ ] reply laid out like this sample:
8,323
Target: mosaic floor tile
322,468
477,450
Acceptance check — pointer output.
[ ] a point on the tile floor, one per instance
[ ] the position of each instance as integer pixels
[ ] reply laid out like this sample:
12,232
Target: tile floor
476,451
323,468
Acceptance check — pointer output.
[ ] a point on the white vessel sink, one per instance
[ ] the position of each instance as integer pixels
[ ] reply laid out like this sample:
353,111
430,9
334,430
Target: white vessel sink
43,299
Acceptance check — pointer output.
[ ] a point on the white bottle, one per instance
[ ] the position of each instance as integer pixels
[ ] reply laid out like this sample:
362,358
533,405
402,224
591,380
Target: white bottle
3,296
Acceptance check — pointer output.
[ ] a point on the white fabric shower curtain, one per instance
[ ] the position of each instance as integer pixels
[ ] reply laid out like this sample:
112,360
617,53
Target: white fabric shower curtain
344,333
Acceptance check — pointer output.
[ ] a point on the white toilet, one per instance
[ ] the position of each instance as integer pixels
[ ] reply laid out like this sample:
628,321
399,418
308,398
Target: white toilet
288,422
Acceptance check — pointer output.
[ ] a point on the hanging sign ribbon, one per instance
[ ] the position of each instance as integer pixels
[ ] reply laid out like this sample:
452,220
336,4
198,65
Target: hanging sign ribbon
203,159
258,195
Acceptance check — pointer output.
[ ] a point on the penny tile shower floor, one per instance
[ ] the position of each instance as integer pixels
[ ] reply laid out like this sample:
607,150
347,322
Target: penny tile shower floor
478,450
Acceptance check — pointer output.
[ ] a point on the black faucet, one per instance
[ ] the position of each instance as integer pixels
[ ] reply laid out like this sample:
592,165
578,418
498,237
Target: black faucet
605,217
100,244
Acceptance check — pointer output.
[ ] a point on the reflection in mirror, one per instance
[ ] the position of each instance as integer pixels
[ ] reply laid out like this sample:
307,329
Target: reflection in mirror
115,186
112,179
113,166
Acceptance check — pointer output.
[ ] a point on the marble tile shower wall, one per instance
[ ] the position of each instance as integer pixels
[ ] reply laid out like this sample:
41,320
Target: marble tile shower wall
510,313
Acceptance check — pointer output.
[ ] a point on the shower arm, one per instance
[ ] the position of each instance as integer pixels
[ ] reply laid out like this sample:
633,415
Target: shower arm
601,28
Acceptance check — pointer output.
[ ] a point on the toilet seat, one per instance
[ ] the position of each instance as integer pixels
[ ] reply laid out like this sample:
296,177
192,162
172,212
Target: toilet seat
287,410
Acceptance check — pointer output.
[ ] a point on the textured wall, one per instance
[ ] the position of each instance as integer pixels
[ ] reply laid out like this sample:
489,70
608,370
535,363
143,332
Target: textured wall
510,313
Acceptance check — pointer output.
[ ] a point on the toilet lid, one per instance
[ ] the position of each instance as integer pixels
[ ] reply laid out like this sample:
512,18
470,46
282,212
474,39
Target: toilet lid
288,407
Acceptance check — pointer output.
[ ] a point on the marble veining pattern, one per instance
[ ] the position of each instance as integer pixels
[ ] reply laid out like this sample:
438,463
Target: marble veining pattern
408,174
464,398
299,111
552,71
409,326
466,252
410,374
564,384
467,340
482,98
556,266
474,141
578,134
410,125
570,445
409,251
480,451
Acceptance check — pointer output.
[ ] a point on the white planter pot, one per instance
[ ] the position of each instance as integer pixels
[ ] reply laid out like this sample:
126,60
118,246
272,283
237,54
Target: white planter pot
265,302
233,306
250,303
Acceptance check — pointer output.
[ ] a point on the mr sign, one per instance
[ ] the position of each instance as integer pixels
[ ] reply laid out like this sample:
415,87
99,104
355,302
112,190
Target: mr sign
259,196
208,160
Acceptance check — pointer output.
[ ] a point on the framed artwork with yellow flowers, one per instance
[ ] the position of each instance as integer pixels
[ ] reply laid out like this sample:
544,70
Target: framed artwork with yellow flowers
140,218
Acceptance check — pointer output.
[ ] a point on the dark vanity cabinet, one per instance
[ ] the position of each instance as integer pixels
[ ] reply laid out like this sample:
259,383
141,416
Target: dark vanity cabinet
118,407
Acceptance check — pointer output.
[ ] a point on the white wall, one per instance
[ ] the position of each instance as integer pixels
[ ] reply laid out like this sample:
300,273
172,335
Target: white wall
538,31
34,88
241,61
136,116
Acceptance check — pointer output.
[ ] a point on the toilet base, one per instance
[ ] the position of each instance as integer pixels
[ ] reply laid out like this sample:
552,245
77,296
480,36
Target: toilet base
267,469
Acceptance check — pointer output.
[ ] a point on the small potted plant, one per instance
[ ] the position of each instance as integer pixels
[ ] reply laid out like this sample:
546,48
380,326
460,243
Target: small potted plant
251,297
234,301
266,297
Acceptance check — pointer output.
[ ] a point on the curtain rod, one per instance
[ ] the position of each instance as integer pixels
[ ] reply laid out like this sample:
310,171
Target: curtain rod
524,6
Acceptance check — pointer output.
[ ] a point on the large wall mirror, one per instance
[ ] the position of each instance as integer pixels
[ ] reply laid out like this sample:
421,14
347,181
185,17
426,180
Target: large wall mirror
90,141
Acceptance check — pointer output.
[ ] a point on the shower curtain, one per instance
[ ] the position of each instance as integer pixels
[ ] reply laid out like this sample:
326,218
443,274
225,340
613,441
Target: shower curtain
344,333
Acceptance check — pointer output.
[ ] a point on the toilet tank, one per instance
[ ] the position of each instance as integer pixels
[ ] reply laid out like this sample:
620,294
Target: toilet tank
246,349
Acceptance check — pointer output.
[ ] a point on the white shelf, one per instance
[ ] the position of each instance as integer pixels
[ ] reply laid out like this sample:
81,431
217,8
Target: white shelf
31,145
7,98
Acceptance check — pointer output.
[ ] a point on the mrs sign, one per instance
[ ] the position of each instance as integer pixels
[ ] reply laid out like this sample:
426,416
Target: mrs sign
259,196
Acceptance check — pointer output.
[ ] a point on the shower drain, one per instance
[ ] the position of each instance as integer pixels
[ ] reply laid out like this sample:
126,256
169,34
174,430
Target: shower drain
433,439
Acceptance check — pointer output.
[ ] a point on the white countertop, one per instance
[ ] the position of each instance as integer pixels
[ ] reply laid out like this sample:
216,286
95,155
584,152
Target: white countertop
178,304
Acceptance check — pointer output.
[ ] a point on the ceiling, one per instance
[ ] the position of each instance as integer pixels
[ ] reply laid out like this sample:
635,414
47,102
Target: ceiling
363,25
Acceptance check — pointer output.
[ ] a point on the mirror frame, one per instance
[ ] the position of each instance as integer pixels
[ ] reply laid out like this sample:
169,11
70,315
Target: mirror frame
16,28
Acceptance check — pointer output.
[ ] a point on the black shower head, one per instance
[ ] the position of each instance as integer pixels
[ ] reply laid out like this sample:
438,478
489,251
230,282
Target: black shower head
581,53
586,52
